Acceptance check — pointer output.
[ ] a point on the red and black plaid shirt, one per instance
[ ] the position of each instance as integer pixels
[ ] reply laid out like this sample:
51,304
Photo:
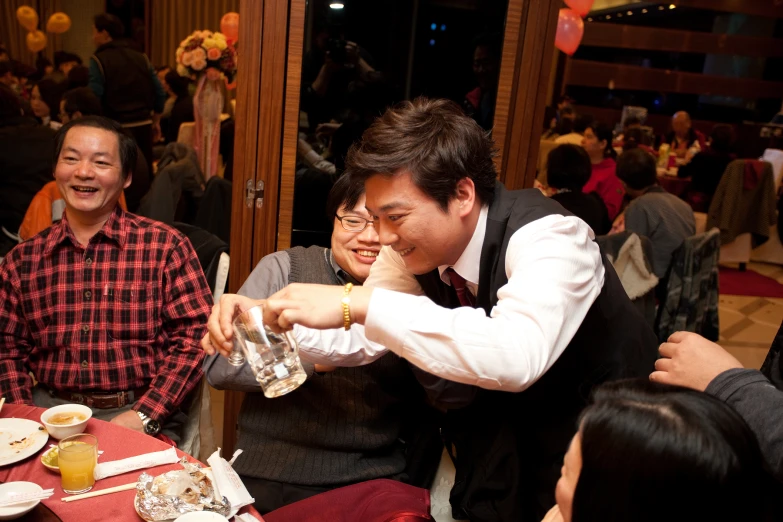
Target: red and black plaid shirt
127,311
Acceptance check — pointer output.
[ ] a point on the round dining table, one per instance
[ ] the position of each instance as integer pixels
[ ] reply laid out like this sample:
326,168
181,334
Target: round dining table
116,442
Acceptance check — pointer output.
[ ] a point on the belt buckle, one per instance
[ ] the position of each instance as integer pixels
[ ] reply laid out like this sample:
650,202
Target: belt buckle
121,399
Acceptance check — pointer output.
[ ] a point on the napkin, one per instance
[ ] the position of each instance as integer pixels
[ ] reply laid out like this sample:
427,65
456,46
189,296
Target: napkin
227,482
247,517
148,460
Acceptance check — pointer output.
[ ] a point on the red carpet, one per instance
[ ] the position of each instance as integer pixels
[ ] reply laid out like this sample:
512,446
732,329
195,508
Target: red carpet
734,282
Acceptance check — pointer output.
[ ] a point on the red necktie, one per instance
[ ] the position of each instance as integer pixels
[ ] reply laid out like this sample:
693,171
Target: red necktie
460,285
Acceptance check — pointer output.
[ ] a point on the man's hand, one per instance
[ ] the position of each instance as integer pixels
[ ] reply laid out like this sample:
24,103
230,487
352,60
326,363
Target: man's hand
314,306
130,419
220,328
691,361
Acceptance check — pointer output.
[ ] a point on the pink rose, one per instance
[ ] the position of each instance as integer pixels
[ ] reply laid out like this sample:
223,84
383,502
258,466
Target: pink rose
199,65
213,54
187,58
199,54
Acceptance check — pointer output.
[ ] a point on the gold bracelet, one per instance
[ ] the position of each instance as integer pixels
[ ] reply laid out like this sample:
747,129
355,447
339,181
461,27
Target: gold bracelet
346,302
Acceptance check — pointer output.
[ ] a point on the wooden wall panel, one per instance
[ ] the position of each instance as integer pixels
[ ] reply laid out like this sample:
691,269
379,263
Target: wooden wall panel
535,52
291,122
600,74
599,34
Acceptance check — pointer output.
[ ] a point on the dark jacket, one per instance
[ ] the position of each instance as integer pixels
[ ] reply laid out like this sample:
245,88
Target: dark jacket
129,92
510,446
590,208
706,170
26,150
182,112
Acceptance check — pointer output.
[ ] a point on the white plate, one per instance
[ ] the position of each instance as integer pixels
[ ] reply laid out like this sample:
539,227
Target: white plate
20,438
12,512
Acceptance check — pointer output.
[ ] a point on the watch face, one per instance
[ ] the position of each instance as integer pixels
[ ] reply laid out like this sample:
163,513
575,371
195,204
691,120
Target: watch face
152,427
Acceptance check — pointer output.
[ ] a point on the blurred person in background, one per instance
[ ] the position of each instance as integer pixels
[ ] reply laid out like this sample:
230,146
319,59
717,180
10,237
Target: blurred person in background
597,141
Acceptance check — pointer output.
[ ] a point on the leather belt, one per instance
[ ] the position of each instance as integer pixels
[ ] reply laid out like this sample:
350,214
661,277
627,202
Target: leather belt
100,400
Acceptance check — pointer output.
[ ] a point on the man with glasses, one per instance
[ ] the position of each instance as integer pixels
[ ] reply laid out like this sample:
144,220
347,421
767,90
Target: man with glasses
344,425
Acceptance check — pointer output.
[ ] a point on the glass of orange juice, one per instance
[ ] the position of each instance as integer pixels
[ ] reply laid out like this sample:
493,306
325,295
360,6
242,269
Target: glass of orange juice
77,457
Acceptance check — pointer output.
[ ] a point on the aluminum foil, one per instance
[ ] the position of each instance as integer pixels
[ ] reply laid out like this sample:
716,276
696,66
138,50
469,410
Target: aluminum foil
175,493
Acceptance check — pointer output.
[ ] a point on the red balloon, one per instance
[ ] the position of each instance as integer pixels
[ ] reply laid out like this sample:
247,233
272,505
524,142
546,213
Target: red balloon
229,26
570,29
581,7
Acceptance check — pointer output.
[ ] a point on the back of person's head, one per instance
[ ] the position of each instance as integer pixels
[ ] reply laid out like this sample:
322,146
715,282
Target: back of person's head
82,100
652,452
722,138
7,67
178,84
631,121
345,192
51,93
637,169
127,145
492,41
582,122
78,76
109,23
634,137
568,167
349,133
61,57
10,103
434,141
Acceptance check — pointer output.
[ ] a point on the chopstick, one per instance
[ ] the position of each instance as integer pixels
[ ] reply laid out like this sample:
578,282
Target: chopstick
22,498
107,491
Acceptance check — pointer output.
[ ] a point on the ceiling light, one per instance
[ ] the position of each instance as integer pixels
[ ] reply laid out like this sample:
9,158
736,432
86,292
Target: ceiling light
672,6
644,11
336,5
629,13
589,19
661,8
608,17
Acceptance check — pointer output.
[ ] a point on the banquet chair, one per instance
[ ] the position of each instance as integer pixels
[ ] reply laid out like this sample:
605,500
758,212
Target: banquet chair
772,250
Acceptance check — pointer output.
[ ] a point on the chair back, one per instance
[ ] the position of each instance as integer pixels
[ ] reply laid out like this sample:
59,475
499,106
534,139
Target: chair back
210,250
775,158
691,302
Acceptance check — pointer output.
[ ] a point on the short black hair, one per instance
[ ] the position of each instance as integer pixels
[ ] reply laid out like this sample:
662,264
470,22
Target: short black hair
178,84
7,67
109,23
10,103
631,120
636,168
78,76
345,192
654,452
51,93
568,167
83,100
125,141
582,122
492,41
61,57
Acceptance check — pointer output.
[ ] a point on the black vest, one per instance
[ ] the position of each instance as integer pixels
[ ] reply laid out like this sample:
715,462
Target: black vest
128,93
510,446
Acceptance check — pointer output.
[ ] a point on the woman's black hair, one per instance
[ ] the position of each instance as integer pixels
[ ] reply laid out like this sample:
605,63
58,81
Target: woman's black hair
568,167
51,93
652,452
178,84
603,132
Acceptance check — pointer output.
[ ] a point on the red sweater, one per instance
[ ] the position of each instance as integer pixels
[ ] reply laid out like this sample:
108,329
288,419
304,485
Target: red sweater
607,185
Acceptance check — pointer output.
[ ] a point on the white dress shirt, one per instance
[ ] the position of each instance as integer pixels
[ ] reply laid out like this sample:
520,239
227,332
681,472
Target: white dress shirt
554,274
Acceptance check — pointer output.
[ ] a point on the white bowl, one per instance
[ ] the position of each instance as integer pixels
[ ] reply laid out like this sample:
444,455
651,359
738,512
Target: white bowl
61,431
12,512
201,516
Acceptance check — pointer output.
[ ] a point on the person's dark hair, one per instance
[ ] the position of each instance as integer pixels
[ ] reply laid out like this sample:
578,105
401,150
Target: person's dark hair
127,145
61,57
435,142
635,137
78,76
345,192
10,103
349,133
109,23
631,120
568,167
652,452
7,67
51,93
604,132
722,138
162,68
492,41
636,168
83,100
178,84
582,122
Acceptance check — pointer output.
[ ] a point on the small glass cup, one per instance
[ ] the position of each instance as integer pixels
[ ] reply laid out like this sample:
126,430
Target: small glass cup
273,358
77,458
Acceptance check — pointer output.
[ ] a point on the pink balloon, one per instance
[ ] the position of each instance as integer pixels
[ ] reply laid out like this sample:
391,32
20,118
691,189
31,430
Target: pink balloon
229,26
570,29
582,7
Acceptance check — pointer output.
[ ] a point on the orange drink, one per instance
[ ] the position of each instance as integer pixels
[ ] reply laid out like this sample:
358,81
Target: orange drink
77,458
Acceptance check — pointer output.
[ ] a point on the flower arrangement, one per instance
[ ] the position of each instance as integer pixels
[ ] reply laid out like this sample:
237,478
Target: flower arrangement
204,50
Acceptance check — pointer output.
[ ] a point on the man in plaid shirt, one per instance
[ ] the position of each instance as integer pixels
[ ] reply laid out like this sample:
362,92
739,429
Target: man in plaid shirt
105,308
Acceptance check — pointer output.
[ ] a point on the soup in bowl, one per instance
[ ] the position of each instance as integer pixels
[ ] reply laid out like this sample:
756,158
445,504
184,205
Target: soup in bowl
66,420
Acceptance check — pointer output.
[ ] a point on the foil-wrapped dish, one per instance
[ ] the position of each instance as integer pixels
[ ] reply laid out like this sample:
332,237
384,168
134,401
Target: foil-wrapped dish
175,493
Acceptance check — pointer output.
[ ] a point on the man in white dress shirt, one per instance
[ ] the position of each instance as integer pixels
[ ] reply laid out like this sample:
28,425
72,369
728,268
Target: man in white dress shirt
483,290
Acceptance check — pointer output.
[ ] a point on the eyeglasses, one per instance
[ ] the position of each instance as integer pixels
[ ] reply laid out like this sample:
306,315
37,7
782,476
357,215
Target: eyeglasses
353,223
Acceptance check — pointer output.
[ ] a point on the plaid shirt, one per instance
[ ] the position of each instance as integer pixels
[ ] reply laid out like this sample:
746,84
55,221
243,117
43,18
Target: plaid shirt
127,311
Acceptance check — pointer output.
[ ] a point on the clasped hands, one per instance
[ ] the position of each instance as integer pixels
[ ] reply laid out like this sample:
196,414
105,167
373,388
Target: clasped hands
312,306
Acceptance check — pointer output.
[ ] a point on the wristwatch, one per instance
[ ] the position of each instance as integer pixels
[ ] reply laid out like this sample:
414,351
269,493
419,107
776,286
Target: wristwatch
151,426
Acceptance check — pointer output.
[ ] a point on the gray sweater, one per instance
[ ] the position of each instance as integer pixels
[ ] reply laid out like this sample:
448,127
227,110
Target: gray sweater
339,427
